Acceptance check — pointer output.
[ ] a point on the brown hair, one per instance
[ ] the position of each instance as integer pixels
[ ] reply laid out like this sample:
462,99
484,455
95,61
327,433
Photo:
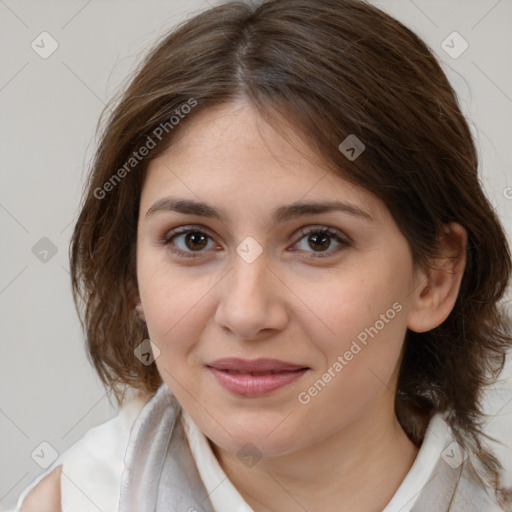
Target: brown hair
331,68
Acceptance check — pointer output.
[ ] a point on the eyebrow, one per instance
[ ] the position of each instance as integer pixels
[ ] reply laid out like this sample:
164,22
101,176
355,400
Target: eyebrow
281,214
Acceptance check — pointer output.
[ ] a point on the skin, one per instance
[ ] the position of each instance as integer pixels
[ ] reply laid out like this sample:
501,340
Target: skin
344,450
45,497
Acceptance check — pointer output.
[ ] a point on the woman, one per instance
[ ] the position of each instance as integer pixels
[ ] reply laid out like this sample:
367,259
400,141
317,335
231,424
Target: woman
284,244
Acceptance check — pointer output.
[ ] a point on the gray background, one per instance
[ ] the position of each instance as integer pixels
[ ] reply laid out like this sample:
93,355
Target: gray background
49,110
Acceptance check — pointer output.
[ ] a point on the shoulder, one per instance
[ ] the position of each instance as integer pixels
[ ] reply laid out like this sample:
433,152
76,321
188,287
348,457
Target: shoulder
46,496
92,465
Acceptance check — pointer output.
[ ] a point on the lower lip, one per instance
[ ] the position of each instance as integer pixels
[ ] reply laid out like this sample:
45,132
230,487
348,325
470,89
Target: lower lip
254,385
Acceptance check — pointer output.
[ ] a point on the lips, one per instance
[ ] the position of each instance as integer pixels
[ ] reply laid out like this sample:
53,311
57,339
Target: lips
252,378
255,366
238,372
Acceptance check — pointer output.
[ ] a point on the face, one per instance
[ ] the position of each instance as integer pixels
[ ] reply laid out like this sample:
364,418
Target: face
319,297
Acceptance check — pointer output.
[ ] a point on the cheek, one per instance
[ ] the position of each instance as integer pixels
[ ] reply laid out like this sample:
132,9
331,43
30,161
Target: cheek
171,301
172,305
360,305
363,321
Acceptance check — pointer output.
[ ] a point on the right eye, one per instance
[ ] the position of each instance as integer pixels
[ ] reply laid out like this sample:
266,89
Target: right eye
187,240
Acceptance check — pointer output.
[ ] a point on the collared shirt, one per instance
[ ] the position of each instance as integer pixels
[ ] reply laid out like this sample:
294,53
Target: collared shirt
225,497
145,459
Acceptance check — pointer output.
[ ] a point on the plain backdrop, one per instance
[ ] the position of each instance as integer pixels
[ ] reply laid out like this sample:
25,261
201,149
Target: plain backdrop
49,108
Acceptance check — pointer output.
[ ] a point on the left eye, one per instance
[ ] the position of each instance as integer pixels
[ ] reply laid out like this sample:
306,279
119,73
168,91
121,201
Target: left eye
321,238
194,240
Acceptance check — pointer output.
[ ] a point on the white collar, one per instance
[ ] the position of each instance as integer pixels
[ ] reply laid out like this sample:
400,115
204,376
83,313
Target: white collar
222,493
225,497
416,479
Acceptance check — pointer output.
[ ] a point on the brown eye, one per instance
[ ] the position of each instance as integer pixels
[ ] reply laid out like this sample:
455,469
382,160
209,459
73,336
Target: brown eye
321,239
195,240
187,241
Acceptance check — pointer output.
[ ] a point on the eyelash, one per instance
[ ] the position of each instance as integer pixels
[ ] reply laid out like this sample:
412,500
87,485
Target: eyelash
303,232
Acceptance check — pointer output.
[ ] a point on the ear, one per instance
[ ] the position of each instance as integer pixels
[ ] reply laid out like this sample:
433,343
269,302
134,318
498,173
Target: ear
139,312
437,287
135,300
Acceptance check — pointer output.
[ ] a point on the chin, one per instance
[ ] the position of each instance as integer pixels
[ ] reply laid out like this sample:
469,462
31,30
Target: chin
256,437
257,448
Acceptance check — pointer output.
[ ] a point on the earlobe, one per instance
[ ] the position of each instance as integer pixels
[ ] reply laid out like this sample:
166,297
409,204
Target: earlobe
139,312
135,300
439,286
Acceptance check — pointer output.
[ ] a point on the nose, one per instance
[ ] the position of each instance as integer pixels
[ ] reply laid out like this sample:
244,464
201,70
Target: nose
252,300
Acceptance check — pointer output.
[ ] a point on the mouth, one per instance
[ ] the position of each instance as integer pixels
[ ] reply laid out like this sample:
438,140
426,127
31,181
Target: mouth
239,372
254,378
262,365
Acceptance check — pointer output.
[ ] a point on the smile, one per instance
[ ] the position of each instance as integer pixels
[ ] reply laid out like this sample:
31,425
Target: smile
254,378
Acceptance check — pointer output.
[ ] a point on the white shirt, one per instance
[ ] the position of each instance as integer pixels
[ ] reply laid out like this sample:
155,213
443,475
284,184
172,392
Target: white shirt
225,497
102,450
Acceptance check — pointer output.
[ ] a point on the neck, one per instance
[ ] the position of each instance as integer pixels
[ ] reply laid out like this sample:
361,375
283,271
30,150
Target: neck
358,469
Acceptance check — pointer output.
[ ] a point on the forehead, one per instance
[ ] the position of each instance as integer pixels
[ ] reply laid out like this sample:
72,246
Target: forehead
229,154
234,133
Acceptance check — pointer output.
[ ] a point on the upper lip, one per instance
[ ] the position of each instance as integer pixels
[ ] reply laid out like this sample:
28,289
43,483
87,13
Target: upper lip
254,365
